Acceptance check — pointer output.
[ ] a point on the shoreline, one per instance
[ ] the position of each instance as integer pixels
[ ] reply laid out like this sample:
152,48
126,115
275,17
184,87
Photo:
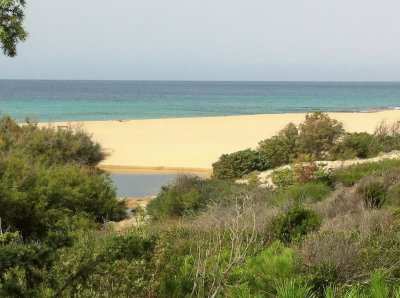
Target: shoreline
140,170
123,120
174,145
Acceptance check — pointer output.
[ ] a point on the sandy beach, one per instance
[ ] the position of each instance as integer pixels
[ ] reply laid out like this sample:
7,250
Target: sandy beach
193,144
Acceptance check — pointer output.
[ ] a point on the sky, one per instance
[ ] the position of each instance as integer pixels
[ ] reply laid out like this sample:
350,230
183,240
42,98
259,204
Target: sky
251,40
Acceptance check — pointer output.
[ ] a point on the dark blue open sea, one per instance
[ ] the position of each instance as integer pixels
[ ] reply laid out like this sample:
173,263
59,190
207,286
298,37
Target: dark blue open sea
110,100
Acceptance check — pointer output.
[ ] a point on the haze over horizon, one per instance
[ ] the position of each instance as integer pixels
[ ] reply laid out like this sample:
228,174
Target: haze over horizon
257,40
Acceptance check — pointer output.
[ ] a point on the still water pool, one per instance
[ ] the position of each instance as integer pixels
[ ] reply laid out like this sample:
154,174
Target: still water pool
140,185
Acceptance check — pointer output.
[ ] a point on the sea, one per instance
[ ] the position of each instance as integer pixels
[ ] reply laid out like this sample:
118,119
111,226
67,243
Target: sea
118,100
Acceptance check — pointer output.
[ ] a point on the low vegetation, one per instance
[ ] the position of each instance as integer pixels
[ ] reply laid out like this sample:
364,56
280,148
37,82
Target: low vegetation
317,138
238,164
318,233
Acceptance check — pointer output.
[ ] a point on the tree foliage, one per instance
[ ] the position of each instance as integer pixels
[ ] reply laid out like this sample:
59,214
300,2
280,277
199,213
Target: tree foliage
282,148
11,25
318,134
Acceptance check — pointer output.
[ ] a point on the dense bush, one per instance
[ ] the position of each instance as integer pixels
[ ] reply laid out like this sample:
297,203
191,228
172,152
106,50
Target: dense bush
374,193
36,199
176,199
318,134
280,149
295,223
188,195
48,182
238,164
284,177
361,145
24,265
317,138
111,266
47,144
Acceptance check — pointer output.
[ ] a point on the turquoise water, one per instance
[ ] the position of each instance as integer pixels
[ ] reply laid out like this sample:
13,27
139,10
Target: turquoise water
110,100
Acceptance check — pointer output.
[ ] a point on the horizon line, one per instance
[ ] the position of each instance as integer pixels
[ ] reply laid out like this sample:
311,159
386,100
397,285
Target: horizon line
205,81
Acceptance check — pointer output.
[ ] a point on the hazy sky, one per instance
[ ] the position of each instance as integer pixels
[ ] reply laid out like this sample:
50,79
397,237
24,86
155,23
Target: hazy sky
357,40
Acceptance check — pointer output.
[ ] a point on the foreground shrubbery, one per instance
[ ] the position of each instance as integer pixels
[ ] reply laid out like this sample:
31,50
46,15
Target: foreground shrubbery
47,180
37,199
319,255
318,234
49,192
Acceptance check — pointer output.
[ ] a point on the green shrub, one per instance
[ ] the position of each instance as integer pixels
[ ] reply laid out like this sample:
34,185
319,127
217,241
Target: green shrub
188,195
318,134
176,199
350,175
275,150
280,149
301,193
283,178
36,199
378,285
294,289
113,265
238,164
374,194
389,142
252,179
61,145
48,145
180,284
322,277
295,223
261,272
361,145
24,266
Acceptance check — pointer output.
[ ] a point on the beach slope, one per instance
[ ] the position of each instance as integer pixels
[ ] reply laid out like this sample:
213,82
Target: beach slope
193,144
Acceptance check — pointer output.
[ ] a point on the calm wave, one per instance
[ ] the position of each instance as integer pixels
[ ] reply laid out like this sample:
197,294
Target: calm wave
110,100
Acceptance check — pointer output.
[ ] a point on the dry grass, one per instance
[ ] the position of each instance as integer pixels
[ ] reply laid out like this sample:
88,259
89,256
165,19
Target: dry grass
221,215
387,129
336,250
340,242
342,201
366,223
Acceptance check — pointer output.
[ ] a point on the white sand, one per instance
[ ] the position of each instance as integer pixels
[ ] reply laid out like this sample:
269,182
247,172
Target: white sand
195,143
